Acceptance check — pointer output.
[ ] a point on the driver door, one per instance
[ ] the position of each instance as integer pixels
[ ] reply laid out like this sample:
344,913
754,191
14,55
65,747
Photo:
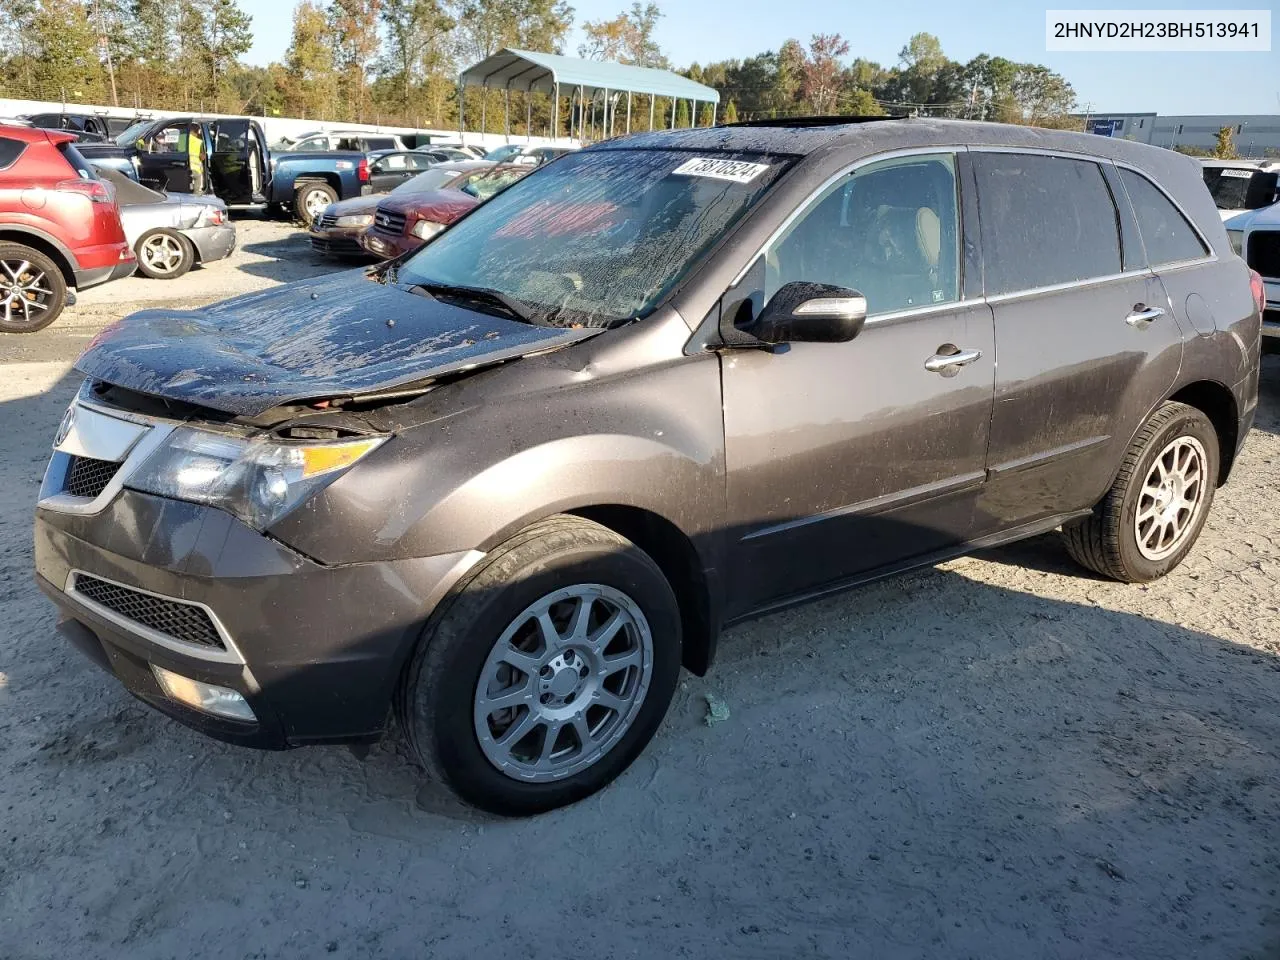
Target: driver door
164,160
233,163
847,458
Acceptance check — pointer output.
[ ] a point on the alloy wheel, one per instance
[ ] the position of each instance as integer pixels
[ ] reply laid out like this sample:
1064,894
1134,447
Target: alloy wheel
25,292
563,683
162,253
1171,498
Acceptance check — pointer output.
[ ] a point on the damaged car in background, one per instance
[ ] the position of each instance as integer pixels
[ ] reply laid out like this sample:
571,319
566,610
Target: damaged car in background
506,487
170,233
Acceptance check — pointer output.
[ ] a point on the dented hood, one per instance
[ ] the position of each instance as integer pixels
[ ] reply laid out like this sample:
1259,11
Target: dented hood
337,336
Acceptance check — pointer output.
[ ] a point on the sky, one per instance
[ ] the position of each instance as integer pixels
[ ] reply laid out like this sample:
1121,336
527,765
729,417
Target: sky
708,30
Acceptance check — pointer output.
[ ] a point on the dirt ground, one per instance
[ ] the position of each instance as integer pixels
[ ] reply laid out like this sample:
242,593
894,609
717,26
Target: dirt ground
997,758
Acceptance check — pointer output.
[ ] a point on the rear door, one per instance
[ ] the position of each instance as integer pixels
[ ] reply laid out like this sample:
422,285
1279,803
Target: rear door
230,167
390,170
1086,338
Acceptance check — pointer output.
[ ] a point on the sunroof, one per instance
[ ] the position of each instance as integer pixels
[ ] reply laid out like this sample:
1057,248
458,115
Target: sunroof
807,121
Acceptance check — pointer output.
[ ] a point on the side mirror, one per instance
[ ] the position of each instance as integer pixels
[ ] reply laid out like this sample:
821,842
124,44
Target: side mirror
802,312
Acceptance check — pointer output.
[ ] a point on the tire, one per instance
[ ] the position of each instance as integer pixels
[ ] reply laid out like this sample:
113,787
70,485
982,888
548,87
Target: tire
163,254
32,289
310,197
445,696
1112,540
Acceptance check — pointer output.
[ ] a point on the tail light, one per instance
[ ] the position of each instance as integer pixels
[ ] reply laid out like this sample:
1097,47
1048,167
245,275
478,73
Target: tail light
215,217
1259,293
96,190
362,171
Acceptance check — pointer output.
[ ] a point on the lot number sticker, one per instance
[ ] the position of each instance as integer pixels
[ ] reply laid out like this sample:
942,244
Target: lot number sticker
1240,174
739,171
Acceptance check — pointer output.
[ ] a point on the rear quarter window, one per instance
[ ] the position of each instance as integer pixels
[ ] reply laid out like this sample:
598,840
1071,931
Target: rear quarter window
82,167
1045,220
1166,234
10,151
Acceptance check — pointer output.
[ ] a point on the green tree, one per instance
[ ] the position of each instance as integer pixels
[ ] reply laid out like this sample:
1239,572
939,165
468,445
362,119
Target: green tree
705,115
415,31
1225,148
627,38
309,76
66,57
353,25
730,113
227,36
682,113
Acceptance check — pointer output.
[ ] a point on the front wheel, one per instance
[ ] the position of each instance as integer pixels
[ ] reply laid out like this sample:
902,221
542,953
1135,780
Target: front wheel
1154,512
544,677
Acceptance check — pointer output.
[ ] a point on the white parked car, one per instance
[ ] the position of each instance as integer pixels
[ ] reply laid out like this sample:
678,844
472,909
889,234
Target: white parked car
1241,185
1256,237
360,140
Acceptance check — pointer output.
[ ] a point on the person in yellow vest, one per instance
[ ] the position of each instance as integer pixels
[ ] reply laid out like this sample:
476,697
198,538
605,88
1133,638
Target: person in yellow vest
194,148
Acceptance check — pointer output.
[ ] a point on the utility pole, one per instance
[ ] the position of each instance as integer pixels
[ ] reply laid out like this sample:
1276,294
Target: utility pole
104,44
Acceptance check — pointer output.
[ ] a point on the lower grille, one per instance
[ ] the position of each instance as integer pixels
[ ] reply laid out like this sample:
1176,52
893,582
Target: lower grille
181,621
87,477
1264,253
326,221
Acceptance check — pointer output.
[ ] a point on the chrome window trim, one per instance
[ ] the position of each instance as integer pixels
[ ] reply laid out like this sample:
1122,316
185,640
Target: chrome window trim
831,181
1210,257
230,655
1068,285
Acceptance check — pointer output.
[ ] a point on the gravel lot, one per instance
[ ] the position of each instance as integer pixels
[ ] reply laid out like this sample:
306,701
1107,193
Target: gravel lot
998,758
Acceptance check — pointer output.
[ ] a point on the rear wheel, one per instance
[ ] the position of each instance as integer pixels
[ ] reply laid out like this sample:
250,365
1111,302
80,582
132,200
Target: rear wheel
1154,512
310,198
32,290
164,254
548,673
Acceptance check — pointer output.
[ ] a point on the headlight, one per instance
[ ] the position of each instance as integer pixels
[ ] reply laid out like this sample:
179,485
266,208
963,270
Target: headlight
257,480
1237,241
356,220
426,229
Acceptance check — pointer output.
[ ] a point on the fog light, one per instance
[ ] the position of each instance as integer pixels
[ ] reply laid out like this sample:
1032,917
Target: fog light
204,697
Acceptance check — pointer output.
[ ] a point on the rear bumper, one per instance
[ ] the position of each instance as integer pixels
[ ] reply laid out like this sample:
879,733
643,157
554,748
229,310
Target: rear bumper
315,651
92,276
212,243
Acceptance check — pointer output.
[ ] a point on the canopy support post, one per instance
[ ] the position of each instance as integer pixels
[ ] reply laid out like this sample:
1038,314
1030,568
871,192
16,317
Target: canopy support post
506,114
674,100
713,113
628,111
484,112
528,116
606,126
555,111
653,101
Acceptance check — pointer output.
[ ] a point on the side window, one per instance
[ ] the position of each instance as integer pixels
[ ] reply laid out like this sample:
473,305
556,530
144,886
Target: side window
890,231
417,161
169,140
1166,234
1045,220
10,151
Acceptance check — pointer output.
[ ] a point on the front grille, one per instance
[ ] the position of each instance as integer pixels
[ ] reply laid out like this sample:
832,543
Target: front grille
336,245
87,477
1263,253
326,221
388,222
181,621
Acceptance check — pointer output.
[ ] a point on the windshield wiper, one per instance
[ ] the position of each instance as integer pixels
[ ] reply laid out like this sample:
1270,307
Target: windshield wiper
484,295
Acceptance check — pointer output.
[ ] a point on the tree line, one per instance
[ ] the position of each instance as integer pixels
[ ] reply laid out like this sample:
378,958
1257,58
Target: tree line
397,62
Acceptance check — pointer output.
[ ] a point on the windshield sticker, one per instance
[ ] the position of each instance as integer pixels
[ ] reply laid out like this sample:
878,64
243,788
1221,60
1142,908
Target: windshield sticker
1241,174
739,171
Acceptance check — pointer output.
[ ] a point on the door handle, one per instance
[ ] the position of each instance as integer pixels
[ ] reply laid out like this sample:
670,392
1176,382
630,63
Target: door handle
1142,316
949,364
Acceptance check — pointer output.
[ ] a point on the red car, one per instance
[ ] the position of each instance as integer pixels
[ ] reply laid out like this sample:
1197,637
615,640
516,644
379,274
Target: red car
59,227
405,222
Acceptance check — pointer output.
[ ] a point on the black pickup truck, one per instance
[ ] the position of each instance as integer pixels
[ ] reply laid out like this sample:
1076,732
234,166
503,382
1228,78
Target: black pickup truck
240,169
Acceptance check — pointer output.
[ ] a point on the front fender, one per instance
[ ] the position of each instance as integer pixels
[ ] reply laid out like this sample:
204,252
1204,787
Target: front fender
471,478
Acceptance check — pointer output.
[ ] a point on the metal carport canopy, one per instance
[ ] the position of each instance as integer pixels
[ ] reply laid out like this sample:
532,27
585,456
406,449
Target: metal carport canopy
510,69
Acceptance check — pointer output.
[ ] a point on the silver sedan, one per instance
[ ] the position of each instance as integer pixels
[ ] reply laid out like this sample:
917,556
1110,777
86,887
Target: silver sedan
169,232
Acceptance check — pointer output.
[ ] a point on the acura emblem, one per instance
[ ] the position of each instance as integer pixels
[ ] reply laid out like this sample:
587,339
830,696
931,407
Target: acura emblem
64,428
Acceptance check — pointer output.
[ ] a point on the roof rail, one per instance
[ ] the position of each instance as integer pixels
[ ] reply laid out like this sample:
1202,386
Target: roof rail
825,121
